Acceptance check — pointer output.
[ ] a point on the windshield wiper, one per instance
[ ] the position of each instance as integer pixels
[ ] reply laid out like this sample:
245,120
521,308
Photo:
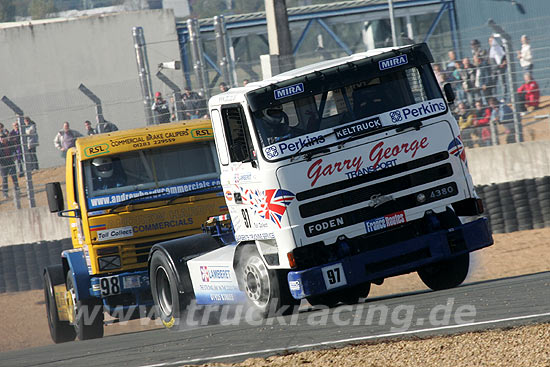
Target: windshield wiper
416,124
131,200
182,194
308,155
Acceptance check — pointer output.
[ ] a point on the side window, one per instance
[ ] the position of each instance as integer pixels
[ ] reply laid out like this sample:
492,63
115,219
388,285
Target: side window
75,180
236,134
219,136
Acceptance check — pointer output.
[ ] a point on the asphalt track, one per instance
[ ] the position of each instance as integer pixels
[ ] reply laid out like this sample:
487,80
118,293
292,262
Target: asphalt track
477,306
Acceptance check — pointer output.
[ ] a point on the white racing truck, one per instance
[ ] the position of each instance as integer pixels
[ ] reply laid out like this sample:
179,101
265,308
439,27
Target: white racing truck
336,175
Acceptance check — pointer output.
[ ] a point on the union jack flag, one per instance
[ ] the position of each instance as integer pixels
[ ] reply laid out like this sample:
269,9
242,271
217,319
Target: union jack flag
276,201
456,148
204,274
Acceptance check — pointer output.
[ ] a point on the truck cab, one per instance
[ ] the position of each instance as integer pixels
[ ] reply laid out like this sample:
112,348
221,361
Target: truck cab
343,173
126,191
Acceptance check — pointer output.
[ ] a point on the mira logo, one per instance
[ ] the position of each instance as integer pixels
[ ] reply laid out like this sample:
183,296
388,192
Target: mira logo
393,62
289,91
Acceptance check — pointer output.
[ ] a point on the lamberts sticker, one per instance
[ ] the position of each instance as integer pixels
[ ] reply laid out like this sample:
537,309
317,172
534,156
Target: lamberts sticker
291,90
393,62
215,274
386,221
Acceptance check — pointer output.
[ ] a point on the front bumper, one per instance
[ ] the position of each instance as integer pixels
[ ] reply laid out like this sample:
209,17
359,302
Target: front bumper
398,258
123,291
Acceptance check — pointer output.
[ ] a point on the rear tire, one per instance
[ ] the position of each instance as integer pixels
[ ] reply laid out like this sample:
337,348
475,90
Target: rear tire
61,331
164,287
267,290
446,274
88,314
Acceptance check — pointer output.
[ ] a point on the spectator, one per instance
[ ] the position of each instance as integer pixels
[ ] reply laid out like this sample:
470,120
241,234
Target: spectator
456,80
66,138
477,50
3,130
529,94
161,109
223,87
525,57
498,57
104,126
483,119
245,82
32,143
465,120
502,114
15,141
192,104
484,84
438,75
451,63
7,165
88,129
468,76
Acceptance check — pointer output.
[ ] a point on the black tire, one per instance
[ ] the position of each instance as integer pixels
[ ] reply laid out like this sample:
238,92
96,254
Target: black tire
87,314
348,296
61,331
267,290
169,302
446,274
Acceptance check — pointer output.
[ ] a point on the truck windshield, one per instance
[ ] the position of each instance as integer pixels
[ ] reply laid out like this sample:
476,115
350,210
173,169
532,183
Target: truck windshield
152,174
363,99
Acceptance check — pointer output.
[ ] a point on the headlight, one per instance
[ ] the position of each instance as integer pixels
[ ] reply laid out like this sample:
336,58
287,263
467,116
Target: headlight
109,262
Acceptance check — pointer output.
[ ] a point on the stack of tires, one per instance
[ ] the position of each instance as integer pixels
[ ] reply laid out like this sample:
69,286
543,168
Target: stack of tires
517,205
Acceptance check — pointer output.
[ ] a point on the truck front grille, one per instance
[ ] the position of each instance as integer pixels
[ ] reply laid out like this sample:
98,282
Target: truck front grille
136,254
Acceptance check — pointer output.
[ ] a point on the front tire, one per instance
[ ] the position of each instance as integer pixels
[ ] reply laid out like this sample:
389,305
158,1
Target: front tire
267,290
61,331
164,287
87,314
446,274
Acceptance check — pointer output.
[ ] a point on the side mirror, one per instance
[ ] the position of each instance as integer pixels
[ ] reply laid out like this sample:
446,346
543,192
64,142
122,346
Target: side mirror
449,93
55,197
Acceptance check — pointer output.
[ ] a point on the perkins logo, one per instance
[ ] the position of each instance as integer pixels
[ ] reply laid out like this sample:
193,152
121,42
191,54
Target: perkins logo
291,146
393,62
417,111
289,91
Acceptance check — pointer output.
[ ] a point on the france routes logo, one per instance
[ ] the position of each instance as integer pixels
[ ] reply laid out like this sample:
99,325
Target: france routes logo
456,148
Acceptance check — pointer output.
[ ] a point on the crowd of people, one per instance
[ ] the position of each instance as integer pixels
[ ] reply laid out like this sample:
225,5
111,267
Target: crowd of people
483,94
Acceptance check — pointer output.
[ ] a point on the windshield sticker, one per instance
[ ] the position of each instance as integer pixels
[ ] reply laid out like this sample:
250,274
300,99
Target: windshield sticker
291,90
96,150
393,62
357,128
392,118
202,133
198,187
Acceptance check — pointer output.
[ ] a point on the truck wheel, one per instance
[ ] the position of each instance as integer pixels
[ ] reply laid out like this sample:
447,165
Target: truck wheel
267,290
164,288
61,331
446,274
87,314
348,296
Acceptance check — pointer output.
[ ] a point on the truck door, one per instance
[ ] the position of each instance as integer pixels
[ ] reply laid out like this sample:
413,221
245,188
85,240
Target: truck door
72,189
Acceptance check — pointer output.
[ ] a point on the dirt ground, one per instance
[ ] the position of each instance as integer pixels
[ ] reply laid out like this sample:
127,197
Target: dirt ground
23,322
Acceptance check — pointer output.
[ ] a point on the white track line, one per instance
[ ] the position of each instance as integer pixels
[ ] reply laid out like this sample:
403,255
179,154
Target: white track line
343,341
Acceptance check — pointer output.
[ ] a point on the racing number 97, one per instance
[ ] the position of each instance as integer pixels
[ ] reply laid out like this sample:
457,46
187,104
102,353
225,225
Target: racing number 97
333,275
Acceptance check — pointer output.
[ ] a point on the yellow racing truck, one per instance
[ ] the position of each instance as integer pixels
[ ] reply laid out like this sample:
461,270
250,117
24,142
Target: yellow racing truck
125,192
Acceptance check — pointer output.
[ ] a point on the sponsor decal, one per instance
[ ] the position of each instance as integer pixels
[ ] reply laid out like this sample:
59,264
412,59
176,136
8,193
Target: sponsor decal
325,226
202,133
291,90
198,187
98,227
456,148
358,128
162,225
419,110
380,151
255,236
215,274
294,285
269,204
292,146
392,62
228,195
114,233
370,169
96,150
386,221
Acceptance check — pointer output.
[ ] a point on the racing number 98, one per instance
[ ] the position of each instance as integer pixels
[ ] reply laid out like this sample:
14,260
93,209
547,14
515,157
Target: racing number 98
109,286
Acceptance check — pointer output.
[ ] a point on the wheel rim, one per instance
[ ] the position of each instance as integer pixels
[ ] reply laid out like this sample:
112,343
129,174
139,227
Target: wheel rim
164,292
257,286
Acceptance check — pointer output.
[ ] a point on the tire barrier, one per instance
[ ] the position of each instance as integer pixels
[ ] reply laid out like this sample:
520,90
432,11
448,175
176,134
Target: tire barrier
21,265
517,205
510,206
